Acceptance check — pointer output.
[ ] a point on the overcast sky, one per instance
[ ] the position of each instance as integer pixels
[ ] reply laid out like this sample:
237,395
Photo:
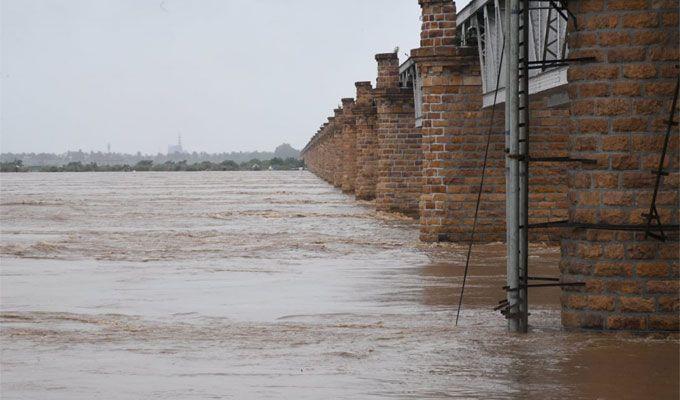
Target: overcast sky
227,75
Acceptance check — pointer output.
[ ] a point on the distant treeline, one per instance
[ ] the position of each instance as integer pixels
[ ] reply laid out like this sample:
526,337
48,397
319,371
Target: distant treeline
283,152
148,165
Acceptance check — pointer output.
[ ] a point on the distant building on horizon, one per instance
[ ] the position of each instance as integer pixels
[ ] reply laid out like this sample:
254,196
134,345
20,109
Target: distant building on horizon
176,148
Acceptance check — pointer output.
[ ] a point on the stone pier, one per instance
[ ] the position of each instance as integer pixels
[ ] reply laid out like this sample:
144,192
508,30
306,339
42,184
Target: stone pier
399,181
417,146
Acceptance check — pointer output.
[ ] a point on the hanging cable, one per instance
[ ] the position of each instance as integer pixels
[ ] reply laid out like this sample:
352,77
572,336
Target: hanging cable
481,183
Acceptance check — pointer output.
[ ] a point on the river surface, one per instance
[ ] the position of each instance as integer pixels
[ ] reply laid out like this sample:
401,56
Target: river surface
274,285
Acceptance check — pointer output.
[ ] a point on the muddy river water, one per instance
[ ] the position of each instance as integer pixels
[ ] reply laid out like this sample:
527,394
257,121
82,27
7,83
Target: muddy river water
260,285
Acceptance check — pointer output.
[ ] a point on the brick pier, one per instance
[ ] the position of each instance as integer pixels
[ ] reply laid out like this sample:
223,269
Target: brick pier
419,151
619,106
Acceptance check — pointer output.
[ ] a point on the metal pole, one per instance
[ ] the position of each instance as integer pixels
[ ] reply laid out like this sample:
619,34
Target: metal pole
524,169
653,212
512,161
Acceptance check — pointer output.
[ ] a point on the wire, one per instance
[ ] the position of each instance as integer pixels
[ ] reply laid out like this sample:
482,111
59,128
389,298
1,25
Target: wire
481,183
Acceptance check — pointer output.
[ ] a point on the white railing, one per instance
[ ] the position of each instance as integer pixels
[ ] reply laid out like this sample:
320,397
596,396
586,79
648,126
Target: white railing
480,24
409,78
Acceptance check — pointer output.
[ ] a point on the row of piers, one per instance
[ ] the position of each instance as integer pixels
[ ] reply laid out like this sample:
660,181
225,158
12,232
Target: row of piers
416,146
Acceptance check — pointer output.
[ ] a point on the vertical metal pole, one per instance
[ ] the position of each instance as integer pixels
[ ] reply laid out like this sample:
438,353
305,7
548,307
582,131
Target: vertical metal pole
524,168
512,161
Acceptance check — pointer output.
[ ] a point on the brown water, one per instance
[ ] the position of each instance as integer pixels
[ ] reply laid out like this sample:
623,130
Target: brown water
253,285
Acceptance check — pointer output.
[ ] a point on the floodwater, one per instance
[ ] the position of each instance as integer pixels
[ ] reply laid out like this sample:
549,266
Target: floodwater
254,285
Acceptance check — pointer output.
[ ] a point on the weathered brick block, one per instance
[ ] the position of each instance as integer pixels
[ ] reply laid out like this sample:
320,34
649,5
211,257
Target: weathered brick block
367,141
618,109
637,304
348,146
399,174
455,129
620,322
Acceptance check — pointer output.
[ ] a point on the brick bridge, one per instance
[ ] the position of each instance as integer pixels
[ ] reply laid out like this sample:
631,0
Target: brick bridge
415,144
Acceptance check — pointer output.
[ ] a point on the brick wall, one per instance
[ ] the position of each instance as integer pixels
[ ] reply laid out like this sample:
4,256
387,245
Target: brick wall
308,154
324,168
618,106
399,180
549,128
614,113
349,139
452,138
331,153
336,127
455,129
366,142
327,152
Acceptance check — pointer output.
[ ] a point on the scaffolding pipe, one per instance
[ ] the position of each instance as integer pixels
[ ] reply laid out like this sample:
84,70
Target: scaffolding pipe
511,32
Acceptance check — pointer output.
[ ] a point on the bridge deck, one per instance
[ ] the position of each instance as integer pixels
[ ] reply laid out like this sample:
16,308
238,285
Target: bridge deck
480,24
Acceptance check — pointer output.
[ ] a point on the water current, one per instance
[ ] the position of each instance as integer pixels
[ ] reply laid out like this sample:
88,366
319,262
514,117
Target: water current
253,285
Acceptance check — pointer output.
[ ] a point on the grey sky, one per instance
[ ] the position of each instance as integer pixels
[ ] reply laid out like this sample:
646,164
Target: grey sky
228,75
